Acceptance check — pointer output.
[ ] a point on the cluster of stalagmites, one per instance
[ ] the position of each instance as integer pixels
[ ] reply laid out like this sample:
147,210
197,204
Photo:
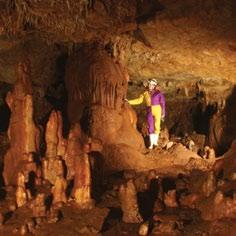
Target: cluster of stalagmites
65,160
213,196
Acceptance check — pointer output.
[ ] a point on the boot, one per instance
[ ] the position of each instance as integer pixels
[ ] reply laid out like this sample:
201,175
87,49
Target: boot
151,138
155,139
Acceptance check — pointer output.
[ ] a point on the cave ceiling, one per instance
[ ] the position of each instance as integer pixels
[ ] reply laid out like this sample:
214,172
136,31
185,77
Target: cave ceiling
163,39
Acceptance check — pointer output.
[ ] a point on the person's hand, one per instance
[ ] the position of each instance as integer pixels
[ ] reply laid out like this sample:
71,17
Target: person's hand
163,118
126,100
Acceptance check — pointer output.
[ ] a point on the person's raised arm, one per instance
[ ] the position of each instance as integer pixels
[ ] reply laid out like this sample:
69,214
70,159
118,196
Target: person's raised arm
136,101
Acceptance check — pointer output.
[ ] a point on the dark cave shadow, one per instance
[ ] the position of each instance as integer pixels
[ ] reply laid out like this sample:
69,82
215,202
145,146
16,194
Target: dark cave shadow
2,183
202,116
48,201
147,9
69,188
5,114
168,184
31,183
56,94
96,165
85,120
146,200
114,216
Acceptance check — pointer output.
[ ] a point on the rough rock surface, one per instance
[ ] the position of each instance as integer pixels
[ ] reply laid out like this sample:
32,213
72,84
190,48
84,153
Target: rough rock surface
22,132
96,86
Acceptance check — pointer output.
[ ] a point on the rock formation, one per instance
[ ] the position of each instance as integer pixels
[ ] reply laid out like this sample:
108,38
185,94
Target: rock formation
97,87
22,132
56,148
83,182
21,193
59,190
56,144
129,204
74,149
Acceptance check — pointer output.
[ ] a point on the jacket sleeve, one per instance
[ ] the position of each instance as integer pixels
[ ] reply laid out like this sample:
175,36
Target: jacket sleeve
136,101
163,105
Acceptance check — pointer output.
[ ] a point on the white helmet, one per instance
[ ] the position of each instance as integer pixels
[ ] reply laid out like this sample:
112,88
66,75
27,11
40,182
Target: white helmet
153,82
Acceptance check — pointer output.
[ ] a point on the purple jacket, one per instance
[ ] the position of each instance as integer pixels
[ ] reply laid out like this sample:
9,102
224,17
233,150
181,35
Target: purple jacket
158,98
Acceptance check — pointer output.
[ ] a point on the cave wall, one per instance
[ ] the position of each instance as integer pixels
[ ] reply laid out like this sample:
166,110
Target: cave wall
185,38
45,70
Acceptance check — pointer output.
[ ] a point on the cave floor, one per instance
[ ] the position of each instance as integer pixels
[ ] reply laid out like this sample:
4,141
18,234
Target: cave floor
106,219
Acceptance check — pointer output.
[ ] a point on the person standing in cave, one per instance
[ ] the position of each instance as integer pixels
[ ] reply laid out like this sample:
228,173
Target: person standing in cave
155,102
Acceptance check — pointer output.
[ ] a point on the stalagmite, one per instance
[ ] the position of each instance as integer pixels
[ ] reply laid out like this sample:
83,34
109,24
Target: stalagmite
53,136
170,198
59,190
52,168
21,193
56,148
82,182
29,165
38,206
209,153
129,204
218,207
22,132
73,150
209,186
143,229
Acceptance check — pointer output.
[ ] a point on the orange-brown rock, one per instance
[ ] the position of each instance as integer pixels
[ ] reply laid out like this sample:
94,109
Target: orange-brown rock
82,182
209,185
218,206
74,149
227,163
209,153
177,159
97,87
38,206
189,200
56,144
29,165
70,20
59,190
170,198
158,206
21,193
176,41
1,219
129,204
51,168
132,114
22,132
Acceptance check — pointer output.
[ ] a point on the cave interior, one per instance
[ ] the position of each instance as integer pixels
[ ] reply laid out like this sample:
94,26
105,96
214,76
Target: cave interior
74,157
